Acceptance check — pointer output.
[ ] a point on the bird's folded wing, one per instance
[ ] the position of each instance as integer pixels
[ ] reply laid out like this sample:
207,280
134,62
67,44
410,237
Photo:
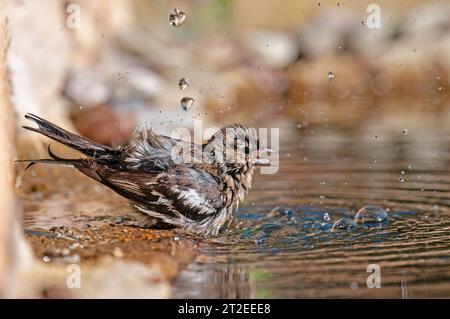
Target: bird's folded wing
191,192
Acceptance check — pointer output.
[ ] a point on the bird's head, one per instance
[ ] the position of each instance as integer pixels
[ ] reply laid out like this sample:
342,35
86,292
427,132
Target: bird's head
235,150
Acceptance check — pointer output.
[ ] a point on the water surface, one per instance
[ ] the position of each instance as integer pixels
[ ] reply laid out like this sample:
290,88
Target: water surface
282,245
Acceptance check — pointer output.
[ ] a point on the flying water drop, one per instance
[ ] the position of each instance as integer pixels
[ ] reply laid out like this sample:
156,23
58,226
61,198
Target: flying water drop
183,84
177,17
186,103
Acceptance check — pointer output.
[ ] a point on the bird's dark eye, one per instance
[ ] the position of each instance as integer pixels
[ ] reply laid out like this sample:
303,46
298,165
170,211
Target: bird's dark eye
213,153
247,146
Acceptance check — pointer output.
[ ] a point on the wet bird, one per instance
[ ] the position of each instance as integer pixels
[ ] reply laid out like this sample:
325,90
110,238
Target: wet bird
193,187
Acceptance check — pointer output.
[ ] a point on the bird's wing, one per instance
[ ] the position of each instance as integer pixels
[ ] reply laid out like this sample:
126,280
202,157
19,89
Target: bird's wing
155,153
184,190
192,190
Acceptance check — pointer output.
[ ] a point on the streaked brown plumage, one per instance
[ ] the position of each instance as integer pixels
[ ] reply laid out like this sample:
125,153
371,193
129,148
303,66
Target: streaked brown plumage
197,195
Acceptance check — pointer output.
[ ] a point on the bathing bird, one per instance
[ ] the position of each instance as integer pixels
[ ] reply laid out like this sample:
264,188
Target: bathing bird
191,186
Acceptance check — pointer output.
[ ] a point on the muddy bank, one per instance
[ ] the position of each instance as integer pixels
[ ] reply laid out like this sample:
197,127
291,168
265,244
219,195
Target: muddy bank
70,220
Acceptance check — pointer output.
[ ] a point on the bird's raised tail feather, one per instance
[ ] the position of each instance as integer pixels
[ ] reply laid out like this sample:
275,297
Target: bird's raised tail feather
53,160
84,145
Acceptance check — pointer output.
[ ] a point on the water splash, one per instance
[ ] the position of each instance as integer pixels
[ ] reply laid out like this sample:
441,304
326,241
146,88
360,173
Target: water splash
186,103
343,224
183,84
371,214
177,17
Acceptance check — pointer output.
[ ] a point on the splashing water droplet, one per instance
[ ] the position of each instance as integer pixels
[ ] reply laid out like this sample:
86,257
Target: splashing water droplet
279,212
46,259
401,179
326,217
183,84
177,17
371,214
330,76
405,131
343,224
186,103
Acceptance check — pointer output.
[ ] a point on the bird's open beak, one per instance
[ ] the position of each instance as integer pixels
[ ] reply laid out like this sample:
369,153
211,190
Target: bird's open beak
263,161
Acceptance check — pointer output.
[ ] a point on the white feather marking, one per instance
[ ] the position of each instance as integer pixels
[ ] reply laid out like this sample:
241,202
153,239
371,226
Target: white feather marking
191,198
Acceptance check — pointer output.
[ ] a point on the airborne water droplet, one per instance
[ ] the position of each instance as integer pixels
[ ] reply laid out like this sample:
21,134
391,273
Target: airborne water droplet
401,179
186,103
405,131
183,84
330,75
371,214
46,259
326,217
177,17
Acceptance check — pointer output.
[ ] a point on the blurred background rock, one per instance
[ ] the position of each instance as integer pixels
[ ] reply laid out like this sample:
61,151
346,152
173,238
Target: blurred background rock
300,62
